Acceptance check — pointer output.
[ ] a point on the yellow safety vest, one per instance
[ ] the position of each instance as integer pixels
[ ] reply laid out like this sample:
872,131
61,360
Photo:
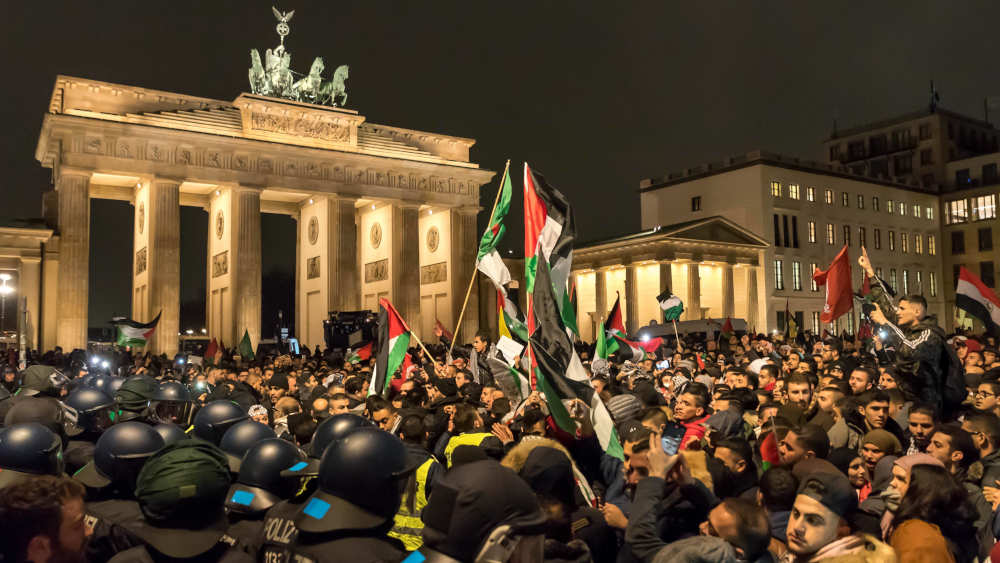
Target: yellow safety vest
407,526
467,439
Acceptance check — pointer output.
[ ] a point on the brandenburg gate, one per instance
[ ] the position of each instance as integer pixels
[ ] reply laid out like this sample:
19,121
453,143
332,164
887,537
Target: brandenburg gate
382,211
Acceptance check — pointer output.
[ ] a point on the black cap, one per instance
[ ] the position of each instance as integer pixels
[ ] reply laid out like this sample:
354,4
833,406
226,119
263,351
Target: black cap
832,489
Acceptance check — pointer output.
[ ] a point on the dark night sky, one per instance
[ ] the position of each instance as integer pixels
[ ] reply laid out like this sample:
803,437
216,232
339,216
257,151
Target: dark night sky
594,95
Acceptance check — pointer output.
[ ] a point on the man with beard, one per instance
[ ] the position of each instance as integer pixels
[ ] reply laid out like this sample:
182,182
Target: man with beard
736,457
919,429
985,430
803,442
43,521
818,528
799,392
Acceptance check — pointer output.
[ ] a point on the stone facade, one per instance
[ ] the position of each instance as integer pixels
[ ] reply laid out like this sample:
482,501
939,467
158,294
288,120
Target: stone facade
326,167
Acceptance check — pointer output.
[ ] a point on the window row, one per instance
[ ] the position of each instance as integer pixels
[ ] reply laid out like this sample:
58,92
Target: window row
891,207
898,281
904,238
984,236
977,208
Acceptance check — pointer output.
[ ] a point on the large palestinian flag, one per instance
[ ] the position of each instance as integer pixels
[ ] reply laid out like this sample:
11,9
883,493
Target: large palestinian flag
393,340
133,333
978,300
549,232
560,374
488,260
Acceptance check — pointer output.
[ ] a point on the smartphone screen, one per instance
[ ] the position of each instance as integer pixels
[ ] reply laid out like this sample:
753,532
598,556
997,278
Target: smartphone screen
673,433
665,364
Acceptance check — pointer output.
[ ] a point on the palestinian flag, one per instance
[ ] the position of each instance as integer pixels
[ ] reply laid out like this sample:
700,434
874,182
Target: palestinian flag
509,318
727,328
393,340
619,342
246,347
560,374
133,333
671,305
211,351
978,300
489,261
362,354
549,232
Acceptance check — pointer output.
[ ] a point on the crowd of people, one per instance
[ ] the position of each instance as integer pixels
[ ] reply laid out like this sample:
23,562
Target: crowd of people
749,448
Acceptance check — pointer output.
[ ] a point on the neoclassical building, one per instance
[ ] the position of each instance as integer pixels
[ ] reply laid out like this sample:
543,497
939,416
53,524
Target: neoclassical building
382,211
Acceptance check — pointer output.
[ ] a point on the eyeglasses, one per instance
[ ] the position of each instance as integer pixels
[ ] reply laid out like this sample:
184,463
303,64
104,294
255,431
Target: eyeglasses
984,394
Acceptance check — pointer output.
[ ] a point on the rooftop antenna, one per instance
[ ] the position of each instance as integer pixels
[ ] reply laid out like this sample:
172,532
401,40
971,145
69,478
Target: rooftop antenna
935,98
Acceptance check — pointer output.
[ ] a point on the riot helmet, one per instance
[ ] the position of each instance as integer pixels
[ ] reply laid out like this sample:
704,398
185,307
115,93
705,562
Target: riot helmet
94,409
260,485
119,455
172,403
132,399
212,421
28,449
42,380
241,437
170,432
328,431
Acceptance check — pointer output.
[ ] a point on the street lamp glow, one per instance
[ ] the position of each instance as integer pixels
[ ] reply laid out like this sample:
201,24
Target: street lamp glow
189,332
204,331
5,277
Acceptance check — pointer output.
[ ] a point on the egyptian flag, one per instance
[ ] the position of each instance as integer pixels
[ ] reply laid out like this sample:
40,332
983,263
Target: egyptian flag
133,333
393,340
361,354
549,233
560,375
978,300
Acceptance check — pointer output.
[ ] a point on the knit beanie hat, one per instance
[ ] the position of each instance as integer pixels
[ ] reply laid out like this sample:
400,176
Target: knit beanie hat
885,440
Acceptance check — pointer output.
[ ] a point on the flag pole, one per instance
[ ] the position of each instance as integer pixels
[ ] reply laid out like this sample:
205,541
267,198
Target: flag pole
677,337
475,270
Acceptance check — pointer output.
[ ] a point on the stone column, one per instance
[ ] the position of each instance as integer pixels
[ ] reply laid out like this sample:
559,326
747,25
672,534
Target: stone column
464,241
74,259
164,263
728,291
29,280
601,294
752,307
665,276
404,269
344,276
246,264
693,305
631,298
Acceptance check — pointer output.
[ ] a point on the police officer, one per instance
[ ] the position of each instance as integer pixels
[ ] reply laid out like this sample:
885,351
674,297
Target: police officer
416,489
172,402
259,487
279,525
482,511
240,438
132,398
348,518
170,433
42,380
28,449
215,418
119,456
181,491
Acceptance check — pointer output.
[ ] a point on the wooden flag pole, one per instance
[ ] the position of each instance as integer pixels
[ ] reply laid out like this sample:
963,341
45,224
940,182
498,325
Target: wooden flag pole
677,336
475,269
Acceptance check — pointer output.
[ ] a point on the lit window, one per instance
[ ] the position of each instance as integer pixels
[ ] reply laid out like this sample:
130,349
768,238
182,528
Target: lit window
956,211
930,213
845,199
812,231
829,234
775,188
889,207
861,201
696,203
847,235
796,276
933,283
904,242
829,197
862,241
892,240
874,203
892,279
779,275
918,244
902,208
931,245
878,238
878,272
812,283
916,210
920,281
984,207
906,282
816,325
793,191
810,194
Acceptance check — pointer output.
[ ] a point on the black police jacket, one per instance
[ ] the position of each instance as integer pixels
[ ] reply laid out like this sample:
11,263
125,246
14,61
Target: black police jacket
221,553
109,538
339,548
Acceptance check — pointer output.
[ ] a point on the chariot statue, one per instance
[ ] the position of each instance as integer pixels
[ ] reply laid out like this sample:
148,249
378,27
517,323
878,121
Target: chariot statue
274,77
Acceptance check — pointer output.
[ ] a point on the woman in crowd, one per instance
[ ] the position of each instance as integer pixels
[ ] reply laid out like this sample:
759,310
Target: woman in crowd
934,521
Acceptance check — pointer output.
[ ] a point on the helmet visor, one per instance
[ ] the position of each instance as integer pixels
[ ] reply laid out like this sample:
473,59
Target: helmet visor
174,412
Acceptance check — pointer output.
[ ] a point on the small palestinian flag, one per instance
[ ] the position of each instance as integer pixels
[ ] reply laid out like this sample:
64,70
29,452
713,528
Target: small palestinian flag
671,305
727,328
362,354
617,338
133,333
393,340
488,260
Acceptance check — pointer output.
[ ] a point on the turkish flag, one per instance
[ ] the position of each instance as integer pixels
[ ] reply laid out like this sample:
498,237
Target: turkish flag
837,279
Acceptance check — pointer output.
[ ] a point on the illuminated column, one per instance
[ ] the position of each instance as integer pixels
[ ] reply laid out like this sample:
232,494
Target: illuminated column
693,305
601,294
752,307
405,268
29,278
631,297
464,245
246,264
344,278
164,263
665,279
74,259
728,291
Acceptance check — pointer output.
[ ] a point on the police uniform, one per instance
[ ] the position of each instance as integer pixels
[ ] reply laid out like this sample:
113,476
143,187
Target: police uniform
279,531
109,537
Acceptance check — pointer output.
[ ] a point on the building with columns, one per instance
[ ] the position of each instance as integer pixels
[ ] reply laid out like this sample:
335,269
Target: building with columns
23,246
711,263
382,211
